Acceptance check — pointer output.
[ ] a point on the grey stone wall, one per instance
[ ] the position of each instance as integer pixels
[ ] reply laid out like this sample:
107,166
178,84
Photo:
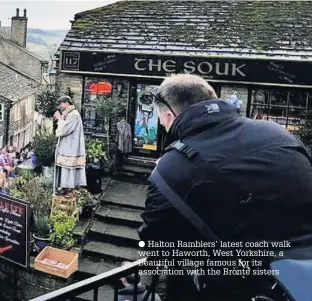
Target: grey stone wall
75,83
30,283
4,123
16,57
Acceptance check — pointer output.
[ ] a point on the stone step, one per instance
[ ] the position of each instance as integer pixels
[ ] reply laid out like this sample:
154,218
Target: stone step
89,267
140,161
111,252
125,195
136,169
121,235
121,216
106,293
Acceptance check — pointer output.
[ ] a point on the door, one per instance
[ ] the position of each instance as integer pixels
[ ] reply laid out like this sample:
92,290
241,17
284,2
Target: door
146,128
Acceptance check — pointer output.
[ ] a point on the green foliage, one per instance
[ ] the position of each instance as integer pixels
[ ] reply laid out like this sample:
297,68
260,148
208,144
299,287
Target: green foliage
31,189
46,102
62,230
82,195
42,225
44,145
108,106
95,149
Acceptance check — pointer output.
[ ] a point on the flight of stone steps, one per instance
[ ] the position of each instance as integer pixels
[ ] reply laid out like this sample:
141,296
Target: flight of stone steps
113,236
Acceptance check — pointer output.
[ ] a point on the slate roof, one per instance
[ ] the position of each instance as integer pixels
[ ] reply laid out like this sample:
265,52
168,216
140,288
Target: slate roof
280,27
14,85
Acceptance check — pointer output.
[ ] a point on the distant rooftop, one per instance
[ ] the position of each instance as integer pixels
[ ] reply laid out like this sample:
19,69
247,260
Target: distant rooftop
14,85
270,27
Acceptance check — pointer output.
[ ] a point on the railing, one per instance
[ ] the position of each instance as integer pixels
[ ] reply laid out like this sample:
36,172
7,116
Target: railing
94,283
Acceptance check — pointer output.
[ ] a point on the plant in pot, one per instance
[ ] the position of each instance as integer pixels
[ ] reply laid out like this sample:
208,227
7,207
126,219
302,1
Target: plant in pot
44,145
96,158
42,231
62,230
85,202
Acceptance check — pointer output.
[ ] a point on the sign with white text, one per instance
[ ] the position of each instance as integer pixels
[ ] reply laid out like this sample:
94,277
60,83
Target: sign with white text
14,244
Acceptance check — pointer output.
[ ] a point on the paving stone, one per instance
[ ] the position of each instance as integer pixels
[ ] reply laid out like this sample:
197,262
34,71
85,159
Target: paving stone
106,293
115,230
120,213
111,250
94,266
81,227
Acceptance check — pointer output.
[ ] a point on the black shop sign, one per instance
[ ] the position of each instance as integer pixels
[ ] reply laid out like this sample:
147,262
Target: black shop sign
223,69
14,244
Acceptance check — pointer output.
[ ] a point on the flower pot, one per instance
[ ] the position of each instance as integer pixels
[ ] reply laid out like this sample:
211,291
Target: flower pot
94,178
41,242
87,211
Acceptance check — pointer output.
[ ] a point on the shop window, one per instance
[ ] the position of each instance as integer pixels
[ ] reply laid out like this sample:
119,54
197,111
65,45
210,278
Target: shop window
95,90
288,108
237,96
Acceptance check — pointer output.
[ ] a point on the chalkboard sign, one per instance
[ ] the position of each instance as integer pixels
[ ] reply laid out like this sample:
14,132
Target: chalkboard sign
14,243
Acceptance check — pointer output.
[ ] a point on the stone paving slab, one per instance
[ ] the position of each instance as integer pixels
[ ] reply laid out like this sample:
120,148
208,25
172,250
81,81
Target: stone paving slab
118,213
96,266
124,193
115,230
111,250
106,293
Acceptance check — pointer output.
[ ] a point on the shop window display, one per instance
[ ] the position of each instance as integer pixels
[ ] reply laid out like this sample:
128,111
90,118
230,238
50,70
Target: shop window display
237,96
287,108
95,89
146,120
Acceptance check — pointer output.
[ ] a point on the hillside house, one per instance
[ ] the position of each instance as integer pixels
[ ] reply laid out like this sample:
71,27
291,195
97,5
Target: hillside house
22,75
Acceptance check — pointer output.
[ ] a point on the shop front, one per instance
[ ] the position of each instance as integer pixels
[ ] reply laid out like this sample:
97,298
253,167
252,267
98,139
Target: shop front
269,89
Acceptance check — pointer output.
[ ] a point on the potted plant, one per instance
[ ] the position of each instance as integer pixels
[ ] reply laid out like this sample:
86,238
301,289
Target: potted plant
42,231
96,158
85,202
62,230
44,145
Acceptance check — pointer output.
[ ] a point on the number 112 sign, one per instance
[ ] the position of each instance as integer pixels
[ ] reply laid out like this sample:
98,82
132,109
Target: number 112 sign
71,61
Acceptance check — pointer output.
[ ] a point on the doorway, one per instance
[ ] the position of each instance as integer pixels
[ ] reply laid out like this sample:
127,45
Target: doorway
145,124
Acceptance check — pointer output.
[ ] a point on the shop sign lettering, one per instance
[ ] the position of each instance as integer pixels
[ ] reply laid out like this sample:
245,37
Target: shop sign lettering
201,67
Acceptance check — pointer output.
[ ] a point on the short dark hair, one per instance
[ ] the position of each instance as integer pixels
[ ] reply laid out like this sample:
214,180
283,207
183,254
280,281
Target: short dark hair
65,98
131,279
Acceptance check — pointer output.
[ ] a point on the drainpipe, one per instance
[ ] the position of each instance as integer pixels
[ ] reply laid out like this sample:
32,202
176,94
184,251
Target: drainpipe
8,112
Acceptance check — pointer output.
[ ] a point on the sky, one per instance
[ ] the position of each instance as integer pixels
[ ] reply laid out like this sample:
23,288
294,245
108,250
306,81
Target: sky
47,14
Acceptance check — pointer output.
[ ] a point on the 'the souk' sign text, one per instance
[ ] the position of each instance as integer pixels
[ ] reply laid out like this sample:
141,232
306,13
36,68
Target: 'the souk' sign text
225,69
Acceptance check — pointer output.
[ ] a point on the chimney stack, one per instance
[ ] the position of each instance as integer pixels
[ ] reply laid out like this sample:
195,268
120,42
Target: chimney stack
19,28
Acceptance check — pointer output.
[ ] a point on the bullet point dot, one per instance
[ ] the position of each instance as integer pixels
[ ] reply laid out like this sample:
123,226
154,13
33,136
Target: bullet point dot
141,244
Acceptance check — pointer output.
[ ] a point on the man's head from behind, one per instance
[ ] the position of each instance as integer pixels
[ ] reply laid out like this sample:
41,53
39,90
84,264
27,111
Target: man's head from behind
130,279
64,102
178,92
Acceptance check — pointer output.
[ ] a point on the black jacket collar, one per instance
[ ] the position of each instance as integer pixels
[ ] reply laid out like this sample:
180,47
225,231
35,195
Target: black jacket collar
198,118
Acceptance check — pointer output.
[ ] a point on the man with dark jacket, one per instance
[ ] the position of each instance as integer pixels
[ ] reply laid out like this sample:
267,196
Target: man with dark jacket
253,181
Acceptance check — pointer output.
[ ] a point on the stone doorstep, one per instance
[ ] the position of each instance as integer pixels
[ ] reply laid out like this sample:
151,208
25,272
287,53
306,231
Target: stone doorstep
119,253
118,213
123,232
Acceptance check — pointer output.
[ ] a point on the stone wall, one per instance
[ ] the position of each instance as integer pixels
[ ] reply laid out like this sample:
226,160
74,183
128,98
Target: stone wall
17,57
4,123
75,83
30,283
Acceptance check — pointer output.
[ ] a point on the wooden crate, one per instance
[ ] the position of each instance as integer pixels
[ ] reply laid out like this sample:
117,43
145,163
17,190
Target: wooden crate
64,204
66,257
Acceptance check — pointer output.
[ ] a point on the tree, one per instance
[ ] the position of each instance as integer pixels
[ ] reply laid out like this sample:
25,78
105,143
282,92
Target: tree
46,102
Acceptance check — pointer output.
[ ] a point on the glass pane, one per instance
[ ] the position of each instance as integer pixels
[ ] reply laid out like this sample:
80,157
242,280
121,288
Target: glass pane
237,96
146,119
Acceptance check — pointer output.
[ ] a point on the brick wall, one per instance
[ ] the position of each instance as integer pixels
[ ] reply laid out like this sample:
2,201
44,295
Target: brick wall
16,57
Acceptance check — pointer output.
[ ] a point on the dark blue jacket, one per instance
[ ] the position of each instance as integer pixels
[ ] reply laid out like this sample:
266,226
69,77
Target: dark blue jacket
260,156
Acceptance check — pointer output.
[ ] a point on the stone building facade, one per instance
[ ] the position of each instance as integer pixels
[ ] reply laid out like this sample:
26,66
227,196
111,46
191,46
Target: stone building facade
22,76
257,52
